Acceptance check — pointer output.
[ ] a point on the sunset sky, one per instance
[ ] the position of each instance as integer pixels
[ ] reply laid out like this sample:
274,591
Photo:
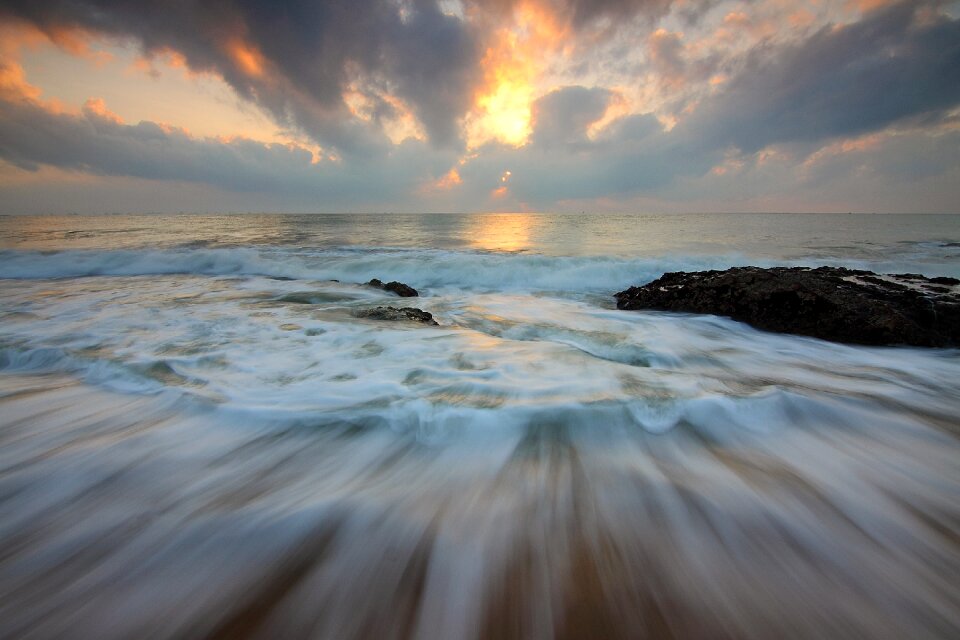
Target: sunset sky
464,105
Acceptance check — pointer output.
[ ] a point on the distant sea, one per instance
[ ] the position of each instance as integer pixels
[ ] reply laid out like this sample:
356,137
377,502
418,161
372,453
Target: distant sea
200,438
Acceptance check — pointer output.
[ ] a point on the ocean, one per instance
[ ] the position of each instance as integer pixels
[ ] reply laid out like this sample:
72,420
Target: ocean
199,438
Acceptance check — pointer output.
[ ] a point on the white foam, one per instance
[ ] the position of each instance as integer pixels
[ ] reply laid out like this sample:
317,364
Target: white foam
497,358
423,269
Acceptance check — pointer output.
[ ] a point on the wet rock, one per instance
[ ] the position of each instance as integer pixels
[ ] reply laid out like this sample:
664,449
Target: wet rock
843,305
393,313
402,290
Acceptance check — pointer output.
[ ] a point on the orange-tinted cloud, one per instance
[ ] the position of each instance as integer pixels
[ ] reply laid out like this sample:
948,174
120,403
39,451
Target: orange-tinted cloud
96,107
246,57
618,106
13,83
449,180
372,104
847,146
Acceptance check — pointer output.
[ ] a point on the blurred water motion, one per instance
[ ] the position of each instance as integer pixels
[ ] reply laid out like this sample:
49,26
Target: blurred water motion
199,438
126,516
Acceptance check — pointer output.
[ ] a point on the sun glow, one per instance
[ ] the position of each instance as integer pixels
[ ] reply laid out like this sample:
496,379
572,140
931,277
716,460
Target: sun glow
506,105
511,65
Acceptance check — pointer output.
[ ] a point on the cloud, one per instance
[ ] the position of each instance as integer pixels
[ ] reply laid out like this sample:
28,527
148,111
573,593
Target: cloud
297,58
562,116
586,13
97,142
895,64
341,72
898,66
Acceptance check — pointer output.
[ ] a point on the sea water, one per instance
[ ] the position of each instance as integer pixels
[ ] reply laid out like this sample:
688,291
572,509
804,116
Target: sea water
199,438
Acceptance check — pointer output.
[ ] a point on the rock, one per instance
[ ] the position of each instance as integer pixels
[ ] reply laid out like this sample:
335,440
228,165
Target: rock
831,303
402,290
393,313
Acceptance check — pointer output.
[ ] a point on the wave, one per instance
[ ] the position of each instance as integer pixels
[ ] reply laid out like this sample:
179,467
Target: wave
420,268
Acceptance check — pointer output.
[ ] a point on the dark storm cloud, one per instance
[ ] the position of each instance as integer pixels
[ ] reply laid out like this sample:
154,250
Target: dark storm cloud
425,57
893,65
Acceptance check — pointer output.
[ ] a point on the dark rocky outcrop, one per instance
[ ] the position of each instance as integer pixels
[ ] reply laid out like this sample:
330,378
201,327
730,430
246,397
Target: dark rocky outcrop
402,290
843,305
393,313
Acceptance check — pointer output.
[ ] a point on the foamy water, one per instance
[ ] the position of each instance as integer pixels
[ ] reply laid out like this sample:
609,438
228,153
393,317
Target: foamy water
199,438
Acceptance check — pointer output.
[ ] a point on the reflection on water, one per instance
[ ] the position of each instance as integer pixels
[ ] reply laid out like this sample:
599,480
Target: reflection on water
502,232
823,237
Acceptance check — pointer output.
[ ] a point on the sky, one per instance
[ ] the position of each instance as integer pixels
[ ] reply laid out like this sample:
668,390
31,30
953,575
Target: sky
468,105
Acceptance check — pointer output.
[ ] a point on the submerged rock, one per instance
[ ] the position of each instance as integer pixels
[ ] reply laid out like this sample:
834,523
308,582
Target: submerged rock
393,313
314,297
832,303
402,290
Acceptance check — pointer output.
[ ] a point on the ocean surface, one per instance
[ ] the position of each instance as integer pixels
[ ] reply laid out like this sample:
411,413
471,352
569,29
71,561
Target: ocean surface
198,438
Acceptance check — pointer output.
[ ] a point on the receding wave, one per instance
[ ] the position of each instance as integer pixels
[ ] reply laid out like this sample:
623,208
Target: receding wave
784,513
